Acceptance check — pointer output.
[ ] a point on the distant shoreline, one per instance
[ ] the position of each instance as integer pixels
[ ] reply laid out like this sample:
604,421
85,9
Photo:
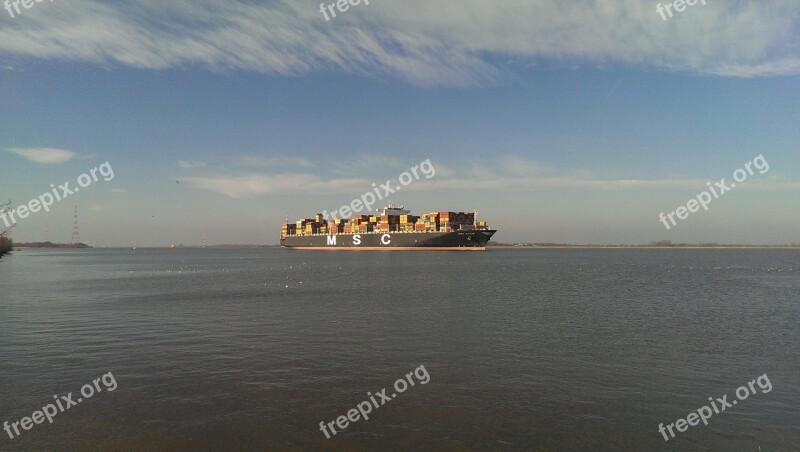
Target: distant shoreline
38,245
50,245
675,247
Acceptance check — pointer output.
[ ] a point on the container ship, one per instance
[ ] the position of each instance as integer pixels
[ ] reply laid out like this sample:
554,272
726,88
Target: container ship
391,229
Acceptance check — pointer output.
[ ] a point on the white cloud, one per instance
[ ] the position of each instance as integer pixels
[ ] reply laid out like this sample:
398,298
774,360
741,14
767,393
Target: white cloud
254,184
520,166
45,156
448,42
189,164
250,160
504,182
442,170
509,173
370,163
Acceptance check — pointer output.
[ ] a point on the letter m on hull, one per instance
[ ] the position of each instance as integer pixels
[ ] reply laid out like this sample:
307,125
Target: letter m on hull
332,240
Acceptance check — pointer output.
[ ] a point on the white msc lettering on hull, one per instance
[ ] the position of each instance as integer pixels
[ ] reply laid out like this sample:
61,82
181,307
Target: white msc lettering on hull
386,239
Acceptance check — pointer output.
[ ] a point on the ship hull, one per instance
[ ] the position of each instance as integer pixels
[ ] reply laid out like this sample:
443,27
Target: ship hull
393,241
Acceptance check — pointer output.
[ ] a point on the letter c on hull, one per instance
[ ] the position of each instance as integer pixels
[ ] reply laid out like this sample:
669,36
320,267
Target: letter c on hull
386,239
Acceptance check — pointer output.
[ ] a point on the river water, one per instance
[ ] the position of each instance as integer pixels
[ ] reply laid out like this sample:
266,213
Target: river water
525,349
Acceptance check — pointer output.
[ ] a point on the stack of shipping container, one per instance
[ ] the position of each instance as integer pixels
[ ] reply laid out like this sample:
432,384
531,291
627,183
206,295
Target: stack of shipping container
429,222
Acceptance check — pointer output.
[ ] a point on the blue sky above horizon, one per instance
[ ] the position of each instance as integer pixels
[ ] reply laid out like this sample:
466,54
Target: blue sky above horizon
557,124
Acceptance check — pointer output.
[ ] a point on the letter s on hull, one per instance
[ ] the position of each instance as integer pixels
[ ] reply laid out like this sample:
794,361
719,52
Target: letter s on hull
386,239
357,239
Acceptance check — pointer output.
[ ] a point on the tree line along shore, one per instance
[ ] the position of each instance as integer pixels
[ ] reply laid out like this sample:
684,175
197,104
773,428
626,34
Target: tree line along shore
5,245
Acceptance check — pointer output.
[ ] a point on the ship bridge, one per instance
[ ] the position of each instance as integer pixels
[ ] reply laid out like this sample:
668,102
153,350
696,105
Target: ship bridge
393,210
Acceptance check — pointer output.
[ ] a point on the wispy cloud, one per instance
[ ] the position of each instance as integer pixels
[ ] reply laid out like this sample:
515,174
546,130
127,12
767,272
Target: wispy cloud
190,164
500,182
255,161
505,173
369,163
521,166
446,42
45,156
254,184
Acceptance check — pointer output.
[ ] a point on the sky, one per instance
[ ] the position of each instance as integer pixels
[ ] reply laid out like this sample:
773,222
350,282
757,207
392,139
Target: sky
558,121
